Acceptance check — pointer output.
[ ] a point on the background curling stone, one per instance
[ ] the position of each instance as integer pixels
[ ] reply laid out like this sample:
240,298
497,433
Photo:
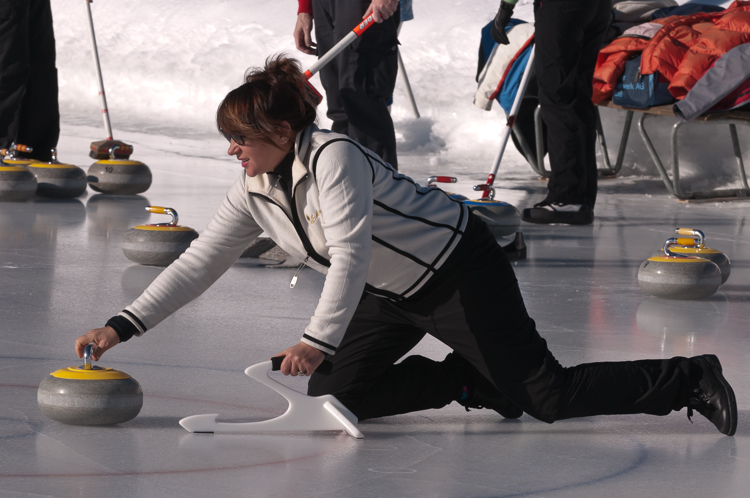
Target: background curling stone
158,244
119,176
502,218
58,180
88,395
673,276
696,247
17,183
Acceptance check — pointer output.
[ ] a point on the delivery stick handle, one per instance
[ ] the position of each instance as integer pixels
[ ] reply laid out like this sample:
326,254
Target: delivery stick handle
511,120
348,39
102,97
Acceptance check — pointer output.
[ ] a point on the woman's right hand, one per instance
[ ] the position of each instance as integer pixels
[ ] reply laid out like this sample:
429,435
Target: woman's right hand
104,338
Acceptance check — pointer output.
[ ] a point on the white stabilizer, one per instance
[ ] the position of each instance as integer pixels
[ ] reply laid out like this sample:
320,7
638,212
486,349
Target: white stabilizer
305,413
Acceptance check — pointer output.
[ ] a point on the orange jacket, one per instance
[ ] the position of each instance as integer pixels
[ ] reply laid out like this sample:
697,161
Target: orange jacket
611,64
682,51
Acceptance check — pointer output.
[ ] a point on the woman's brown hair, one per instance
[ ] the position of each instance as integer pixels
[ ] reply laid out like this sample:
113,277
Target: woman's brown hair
270,95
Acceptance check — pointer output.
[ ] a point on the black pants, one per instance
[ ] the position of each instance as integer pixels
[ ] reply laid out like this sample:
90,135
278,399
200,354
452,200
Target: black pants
361,79
477,310
569,35
29,112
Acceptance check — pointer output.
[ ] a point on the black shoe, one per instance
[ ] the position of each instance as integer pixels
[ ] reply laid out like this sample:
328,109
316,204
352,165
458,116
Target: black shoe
482,394
556,212
713,396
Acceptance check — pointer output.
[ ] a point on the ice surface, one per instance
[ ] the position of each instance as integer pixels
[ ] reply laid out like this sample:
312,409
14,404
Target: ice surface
62,272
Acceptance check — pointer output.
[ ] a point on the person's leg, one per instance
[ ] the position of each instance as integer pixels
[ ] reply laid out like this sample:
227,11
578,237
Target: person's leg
364,377
593,40
14,66
568,33
363,79
39,123
481,315
324,15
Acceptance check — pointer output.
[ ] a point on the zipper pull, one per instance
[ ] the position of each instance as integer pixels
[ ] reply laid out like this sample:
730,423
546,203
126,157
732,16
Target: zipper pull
294,278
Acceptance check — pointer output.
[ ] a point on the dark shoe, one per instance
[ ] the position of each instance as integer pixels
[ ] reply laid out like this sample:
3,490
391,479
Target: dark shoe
713,396
481,393
556,212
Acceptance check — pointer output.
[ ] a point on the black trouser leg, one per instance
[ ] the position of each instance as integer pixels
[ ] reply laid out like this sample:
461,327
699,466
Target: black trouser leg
39,124
364,377
29,112
14,66
482,316
361,79
568,37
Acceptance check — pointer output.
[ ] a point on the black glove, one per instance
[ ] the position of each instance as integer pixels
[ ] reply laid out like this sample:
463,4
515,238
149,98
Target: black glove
501,21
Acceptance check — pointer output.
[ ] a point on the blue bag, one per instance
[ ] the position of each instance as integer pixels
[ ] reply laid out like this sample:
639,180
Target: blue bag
640,91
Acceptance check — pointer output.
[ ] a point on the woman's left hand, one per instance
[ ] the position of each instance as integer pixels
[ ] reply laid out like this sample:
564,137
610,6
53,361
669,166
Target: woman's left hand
301,359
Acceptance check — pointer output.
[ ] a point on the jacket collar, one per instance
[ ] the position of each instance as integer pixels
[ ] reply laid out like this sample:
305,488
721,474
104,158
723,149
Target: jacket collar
268,185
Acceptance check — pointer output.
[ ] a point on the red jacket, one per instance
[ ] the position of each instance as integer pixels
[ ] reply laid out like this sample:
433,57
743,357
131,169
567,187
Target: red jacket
682,51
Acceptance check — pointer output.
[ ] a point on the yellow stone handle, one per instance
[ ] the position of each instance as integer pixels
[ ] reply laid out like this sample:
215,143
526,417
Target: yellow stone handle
698,240
164,210
10,153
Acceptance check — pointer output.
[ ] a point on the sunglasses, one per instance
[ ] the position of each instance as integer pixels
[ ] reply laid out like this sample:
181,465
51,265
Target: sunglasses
238,139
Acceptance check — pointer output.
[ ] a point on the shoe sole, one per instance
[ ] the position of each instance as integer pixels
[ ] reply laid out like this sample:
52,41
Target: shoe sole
713,360
544,217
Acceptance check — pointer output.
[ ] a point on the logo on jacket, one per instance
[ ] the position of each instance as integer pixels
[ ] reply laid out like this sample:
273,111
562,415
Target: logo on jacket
312,218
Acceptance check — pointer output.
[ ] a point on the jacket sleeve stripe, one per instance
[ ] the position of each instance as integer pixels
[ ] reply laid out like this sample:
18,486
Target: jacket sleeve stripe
318,341
137,321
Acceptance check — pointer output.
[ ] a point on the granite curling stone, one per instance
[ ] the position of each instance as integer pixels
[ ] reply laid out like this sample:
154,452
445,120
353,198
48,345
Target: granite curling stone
89,395
17,183
502,218
695,246
157,244
674,276
119,176
58,180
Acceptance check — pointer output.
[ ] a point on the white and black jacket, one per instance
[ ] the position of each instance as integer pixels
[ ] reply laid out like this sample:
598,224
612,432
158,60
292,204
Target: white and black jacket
352,217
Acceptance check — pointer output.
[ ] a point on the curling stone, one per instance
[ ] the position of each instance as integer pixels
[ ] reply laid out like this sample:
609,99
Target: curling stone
119,176
158,244
89,395
694,245
502,218
676,276
58,180
17,183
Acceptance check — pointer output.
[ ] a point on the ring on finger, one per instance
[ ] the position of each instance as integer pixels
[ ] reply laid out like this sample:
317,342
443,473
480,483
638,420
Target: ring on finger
300,374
